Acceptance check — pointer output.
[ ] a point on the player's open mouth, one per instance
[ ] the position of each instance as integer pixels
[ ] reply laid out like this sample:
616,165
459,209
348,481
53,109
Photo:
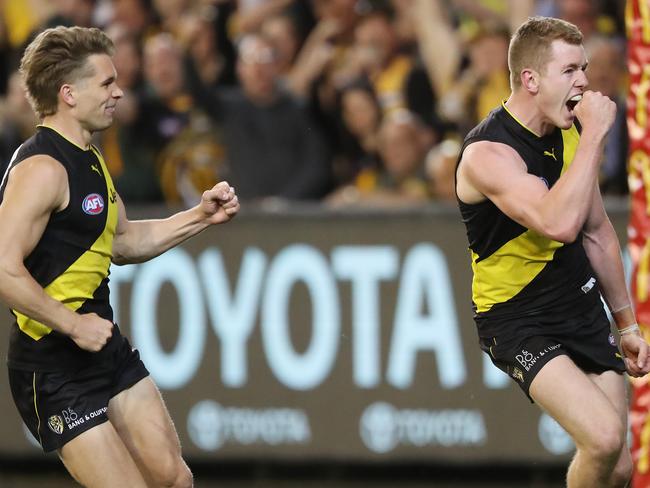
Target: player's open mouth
572,102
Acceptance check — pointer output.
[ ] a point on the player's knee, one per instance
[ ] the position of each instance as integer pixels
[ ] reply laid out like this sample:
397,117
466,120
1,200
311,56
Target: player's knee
185,478
174,474
622,472
606,443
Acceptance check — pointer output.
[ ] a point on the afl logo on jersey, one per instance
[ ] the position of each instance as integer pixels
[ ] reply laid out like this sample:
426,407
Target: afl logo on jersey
93,204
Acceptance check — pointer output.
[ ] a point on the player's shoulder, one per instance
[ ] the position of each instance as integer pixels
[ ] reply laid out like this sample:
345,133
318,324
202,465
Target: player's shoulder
484,151
38,167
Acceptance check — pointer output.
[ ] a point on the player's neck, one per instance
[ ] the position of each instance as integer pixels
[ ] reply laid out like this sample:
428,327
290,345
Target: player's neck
68,128
523,108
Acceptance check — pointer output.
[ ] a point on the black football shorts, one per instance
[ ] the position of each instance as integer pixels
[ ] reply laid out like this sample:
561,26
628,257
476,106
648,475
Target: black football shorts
521,347
57,406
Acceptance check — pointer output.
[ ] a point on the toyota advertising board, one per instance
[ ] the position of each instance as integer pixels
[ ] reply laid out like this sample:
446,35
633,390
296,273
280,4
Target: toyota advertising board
322,337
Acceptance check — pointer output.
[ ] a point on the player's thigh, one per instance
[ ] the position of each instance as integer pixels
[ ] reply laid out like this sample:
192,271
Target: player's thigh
143,422
98,458
614,386
576,402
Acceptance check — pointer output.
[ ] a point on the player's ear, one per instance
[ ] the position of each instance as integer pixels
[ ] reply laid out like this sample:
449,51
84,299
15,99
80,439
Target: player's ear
66,92
530,80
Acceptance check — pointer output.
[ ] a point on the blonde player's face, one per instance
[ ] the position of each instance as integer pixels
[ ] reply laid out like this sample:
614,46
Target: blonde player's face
563,78
96,96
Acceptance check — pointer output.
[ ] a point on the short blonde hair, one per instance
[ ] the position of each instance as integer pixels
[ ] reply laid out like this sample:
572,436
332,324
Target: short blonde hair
531,43
57,56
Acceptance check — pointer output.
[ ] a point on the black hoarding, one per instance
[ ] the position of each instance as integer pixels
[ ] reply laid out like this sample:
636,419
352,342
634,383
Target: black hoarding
320,336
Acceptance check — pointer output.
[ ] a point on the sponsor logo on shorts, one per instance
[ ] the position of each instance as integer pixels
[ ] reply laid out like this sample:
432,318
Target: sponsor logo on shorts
55,423
611,340
517,374
528,360
93,204
73,419
588,285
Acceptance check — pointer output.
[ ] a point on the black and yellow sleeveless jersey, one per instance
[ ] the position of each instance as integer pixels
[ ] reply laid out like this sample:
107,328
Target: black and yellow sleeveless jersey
72,259
517,271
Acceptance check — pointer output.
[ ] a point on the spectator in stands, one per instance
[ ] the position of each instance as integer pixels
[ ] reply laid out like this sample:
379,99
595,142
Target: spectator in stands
438,47
283,33
402,181
129,156
380,59
185,149
440,169
251,15
73,12
484,83
327,62
17,119
585,14
170,13
345,13
273,148
606,74
321,47
198,32
361,117
476,13
136,16
318,60
403,23
161,112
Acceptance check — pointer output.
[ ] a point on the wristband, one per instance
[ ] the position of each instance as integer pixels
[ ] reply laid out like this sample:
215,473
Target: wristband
622,308
629,329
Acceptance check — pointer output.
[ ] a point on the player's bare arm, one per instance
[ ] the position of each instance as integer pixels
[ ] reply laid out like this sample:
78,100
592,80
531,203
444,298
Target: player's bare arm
140,240
604,253
601,244
37,188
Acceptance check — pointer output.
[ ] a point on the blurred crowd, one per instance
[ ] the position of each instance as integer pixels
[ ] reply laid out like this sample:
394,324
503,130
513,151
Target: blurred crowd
346,102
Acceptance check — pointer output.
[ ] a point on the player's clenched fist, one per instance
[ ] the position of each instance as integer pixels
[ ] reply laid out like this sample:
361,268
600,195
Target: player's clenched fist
91,332
220,203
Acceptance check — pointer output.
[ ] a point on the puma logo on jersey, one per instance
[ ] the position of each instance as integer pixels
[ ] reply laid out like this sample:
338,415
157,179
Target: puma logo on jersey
551,153
95,168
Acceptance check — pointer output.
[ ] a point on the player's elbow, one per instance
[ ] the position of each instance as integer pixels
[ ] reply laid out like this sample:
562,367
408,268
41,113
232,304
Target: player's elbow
120,255
566,238
119,260
563,233
122,259
10,269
